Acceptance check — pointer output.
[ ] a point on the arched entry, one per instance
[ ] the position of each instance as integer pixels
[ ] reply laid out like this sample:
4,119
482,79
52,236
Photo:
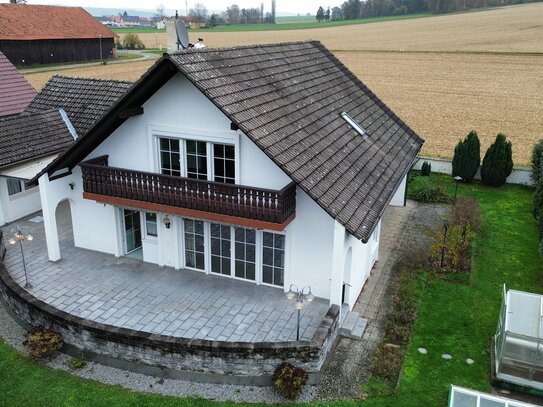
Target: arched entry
347,276
63,217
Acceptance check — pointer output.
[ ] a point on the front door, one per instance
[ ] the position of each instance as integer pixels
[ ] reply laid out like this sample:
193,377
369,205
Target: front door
132,230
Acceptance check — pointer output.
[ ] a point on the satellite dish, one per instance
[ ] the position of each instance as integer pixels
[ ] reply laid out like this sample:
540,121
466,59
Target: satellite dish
182,34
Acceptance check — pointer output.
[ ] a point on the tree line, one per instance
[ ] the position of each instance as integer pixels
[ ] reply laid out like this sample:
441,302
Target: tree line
234,15
355,9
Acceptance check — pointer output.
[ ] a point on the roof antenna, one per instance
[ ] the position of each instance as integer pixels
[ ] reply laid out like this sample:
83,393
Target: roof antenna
183,37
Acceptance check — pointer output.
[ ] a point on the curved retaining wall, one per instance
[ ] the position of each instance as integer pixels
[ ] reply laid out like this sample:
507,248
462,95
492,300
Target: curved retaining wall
167,356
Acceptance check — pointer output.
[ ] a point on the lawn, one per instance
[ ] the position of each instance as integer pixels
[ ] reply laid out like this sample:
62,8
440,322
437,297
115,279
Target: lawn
453,318
305,24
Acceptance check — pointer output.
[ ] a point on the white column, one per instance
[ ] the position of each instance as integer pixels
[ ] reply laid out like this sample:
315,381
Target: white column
4,199
336,281
49,218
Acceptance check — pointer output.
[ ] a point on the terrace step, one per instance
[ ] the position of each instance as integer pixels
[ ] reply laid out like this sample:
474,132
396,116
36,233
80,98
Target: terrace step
353,326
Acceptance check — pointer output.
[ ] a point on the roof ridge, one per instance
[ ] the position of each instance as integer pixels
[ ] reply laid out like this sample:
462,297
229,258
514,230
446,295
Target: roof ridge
248,46
79,78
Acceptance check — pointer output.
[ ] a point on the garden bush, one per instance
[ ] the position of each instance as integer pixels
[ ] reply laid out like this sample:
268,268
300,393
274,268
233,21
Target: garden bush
467,157
538,199
537,155
42,342
289,380
498,162
426,169
132,41
427,193
465,211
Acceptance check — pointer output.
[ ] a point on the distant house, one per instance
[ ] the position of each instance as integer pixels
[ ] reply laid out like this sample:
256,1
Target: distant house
15,91
32,34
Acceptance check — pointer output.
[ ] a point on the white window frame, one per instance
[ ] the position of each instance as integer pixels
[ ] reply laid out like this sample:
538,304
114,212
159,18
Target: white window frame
284,258
146,235
155,132
258,252
21,185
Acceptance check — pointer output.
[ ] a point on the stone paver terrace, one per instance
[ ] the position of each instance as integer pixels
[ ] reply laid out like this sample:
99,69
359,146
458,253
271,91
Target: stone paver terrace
129,293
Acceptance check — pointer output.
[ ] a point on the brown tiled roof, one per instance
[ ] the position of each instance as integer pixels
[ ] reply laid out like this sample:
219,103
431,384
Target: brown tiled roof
26,136
83,99
36,22
288,99
15,92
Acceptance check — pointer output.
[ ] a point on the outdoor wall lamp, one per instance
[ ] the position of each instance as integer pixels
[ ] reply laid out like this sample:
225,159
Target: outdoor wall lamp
166,222
72,185
18,235
298,305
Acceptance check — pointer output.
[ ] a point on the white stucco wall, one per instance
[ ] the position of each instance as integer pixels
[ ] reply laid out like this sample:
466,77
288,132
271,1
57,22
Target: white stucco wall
316,245
18,205
399,197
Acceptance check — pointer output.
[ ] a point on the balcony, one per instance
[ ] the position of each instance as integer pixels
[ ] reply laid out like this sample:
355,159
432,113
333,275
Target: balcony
188,197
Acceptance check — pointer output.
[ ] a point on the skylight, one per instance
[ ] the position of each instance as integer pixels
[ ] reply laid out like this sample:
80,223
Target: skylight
354,124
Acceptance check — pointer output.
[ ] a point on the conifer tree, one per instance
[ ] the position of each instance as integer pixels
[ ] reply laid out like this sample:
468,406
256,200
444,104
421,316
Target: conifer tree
467,157
498,162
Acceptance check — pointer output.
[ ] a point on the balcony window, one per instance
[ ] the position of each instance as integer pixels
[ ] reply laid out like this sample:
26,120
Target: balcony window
170,157
197,159
224,163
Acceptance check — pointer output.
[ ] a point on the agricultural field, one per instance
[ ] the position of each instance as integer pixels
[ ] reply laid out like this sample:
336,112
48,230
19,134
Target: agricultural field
444,75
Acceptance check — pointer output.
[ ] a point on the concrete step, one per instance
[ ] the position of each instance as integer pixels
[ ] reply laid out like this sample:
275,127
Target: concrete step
353,326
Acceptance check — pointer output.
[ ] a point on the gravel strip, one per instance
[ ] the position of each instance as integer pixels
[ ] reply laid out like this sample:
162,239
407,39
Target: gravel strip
13,334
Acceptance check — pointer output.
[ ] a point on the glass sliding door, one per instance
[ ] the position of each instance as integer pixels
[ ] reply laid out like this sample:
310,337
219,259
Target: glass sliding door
220,249
170,157
224,163
245,248
194,244
132,230
197,159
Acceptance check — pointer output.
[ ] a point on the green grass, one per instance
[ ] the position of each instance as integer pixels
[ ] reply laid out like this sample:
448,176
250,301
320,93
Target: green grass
295,19
453,318
307,24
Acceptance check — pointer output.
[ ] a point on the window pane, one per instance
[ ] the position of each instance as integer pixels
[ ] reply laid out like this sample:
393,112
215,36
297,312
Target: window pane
220,249
169,157
196,159
224,163
151,224
229,151
267,275
194,244
273,258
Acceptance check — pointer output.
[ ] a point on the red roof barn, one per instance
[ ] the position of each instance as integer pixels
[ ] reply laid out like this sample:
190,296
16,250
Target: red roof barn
34,34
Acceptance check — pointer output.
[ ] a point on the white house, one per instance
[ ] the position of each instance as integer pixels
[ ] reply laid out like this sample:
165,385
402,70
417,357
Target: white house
271,164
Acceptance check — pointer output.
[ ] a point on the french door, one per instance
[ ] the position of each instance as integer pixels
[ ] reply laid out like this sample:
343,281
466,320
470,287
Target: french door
132,230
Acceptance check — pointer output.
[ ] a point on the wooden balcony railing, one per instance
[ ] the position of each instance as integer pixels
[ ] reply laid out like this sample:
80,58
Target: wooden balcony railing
225,199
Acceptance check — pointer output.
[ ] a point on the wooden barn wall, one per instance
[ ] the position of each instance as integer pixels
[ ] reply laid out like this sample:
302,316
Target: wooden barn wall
22,53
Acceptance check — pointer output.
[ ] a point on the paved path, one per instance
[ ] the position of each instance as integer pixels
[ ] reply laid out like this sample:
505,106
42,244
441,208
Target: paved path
144,56
351,362
129,293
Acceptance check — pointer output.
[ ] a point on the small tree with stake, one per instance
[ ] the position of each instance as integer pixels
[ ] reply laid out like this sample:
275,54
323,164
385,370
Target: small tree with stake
467,157
498,162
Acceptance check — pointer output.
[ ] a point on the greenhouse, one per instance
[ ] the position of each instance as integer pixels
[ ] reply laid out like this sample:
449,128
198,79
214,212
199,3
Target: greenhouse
518,344
461,397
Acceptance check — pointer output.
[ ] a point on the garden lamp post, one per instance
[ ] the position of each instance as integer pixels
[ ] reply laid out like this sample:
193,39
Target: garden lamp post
299,303
18,235
445,227
457,179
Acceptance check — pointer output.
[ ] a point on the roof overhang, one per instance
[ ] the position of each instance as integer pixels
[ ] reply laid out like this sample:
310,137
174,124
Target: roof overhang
28,169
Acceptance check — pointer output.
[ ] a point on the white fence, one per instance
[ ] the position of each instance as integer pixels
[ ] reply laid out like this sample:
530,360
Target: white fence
520,175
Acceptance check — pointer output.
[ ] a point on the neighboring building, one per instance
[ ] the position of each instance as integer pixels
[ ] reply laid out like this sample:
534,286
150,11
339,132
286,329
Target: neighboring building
65,108
271,164
28,142
161,24
15,91
34,34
